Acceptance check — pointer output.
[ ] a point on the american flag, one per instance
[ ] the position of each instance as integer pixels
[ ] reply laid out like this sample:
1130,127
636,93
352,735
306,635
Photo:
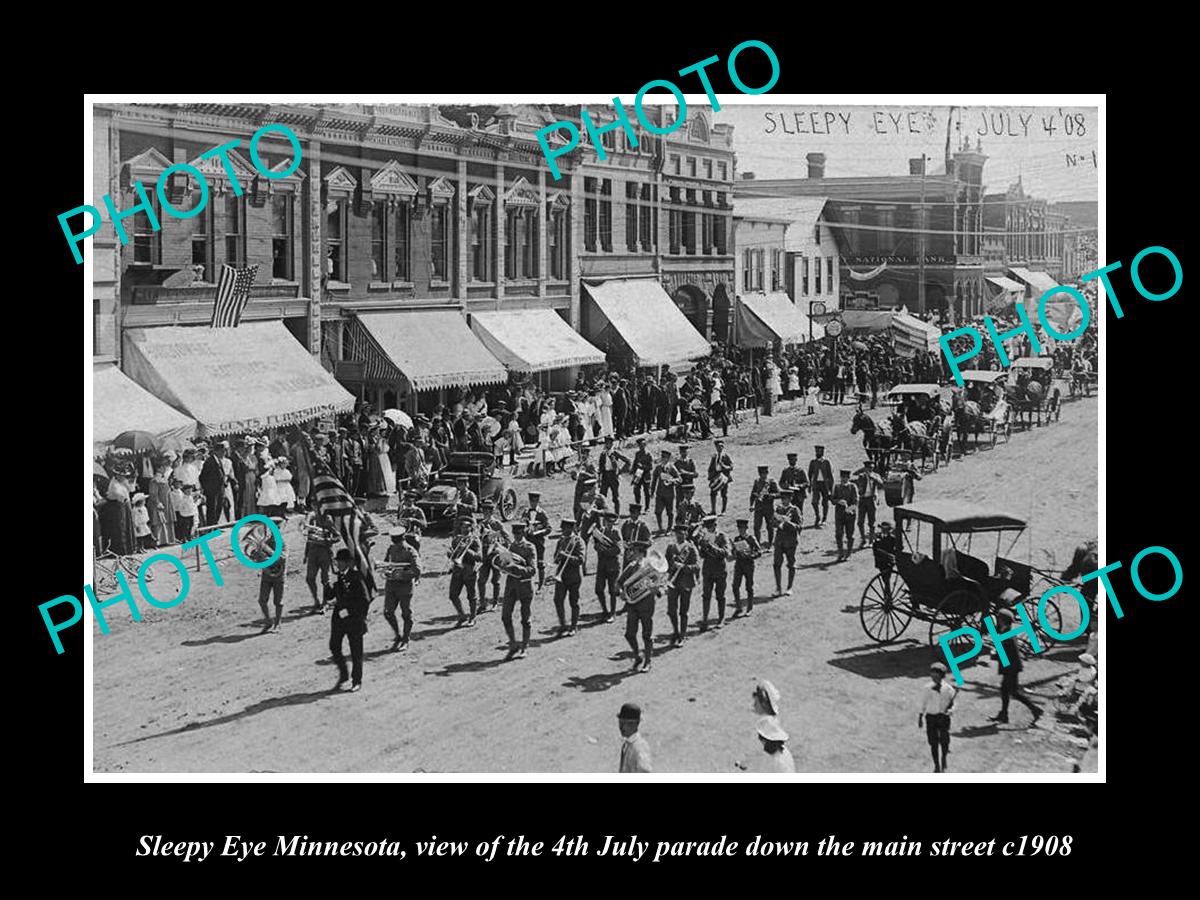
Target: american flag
331,498
232,293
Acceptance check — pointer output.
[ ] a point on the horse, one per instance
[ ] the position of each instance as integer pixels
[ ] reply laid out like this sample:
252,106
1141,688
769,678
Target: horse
967,420
875,437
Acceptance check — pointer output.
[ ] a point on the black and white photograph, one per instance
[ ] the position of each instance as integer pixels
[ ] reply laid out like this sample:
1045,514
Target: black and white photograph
517,436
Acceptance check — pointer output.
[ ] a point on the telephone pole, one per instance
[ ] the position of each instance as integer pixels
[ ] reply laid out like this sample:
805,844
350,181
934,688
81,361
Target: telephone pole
921,242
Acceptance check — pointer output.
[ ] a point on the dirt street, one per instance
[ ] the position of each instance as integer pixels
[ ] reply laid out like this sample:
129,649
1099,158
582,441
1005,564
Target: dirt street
196,688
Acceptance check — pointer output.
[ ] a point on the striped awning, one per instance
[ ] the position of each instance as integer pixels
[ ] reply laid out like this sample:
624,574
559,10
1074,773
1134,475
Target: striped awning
911,335
231,380
430,349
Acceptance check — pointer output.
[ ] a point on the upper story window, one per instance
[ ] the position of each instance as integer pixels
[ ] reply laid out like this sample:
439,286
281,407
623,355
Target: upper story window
691,166
282,245
675,164
340,186
479,205
441,193
723,171
708,169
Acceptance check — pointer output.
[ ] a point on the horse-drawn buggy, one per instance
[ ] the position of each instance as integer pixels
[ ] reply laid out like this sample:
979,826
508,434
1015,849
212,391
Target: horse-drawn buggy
919,421
1034,391
440,501
926,572
981,407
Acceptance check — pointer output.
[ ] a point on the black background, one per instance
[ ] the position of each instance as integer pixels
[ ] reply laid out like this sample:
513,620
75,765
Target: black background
1148,395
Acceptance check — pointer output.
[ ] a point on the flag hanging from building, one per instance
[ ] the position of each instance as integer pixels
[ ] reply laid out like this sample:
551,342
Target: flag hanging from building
331,498
233,291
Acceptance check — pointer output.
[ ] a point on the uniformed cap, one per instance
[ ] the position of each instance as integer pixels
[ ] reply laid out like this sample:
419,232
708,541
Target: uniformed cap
710,521
885,526
344,555
635,508
742,521
769,729
518,527
844,472
569,523
397,531
535,495
683,447
764,468
938,667
719,443
793,456
819,447
630,712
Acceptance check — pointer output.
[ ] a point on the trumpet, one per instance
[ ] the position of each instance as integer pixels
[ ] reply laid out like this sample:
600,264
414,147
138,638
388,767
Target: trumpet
459,549
318,533
395,569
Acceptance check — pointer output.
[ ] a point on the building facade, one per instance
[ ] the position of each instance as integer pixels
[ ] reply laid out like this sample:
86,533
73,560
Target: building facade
905,240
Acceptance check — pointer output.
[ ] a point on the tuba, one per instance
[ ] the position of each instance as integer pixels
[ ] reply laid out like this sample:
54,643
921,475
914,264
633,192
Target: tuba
650,577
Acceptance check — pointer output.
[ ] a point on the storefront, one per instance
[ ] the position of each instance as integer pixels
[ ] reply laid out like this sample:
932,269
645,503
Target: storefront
536,343
634,320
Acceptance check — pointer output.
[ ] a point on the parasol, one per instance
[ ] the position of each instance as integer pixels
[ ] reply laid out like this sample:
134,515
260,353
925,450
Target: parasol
858,345
398,417
136,441
489,427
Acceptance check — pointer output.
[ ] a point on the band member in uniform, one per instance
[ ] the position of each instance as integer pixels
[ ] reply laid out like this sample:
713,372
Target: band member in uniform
686,467
868,483
465,552
608,561
518,588
640,613
585,481
634,530
491,537
763,494
793,478
607,469
593,518
412,516
845,497
398,589
684,565
690,512
746,549
820,480
568,564
714,551
537,528
466,504
349,620
788,522
663,483
720,473
641,470
318,556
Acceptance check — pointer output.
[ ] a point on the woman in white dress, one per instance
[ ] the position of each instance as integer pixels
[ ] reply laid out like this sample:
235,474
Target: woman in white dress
605,402
774,389
283,484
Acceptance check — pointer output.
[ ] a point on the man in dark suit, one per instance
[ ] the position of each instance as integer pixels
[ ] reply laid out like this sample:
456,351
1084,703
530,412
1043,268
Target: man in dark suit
349,619
820,479
212,482
607,469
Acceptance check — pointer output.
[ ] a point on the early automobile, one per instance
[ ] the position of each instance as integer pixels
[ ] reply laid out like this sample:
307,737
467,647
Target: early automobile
440,500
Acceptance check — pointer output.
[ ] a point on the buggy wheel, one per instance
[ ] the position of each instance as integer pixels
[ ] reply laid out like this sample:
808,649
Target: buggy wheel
1053,616
507,504
885,610
958,609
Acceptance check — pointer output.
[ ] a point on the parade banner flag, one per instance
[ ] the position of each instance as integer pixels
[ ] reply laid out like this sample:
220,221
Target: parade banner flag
232,293
332,499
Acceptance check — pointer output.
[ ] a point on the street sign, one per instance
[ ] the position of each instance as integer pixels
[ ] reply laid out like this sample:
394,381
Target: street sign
816,308
833,327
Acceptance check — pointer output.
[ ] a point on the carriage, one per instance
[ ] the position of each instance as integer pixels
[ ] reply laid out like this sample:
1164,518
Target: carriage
925,406
929,574
988,388
1035,391
439,500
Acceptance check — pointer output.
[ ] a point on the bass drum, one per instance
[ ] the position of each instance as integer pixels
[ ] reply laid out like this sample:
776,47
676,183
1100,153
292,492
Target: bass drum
898,488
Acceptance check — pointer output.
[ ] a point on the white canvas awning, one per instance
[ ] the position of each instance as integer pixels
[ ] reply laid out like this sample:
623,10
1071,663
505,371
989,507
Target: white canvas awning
772,317
119,404
249,378
433,349
910,334
1039,281
646,319
1006,284
533,340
